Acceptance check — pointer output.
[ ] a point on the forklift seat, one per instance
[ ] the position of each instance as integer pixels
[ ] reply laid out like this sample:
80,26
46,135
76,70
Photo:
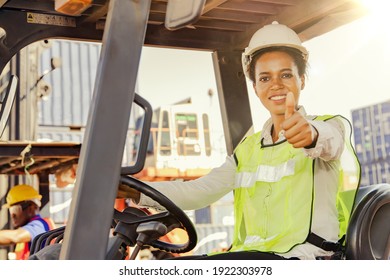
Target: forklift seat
368,233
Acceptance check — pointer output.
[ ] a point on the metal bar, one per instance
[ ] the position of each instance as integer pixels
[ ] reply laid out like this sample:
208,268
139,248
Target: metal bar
15,125
6,160
233,94
99,13
40,150
20,33
210,5
44,191
189,38
50,164
92,207
14,166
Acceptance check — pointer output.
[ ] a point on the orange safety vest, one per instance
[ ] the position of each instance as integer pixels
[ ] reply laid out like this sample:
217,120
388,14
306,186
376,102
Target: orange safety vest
22,250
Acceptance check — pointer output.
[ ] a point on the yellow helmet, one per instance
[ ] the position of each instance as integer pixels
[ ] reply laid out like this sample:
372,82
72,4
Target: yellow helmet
21,193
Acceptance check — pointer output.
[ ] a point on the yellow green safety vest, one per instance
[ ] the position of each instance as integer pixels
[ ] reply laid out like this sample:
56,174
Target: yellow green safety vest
275,194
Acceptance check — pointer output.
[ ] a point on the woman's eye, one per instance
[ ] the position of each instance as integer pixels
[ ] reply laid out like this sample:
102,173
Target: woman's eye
287,75
263,79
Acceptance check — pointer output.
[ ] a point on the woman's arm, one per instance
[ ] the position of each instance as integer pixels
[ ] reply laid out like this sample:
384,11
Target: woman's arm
330,140
196,194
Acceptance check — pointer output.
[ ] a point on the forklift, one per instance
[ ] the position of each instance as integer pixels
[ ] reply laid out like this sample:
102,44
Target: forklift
222,27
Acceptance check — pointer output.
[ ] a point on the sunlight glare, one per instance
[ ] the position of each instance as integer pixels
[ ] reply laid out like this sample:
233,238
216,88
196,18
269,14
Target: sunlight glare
377,20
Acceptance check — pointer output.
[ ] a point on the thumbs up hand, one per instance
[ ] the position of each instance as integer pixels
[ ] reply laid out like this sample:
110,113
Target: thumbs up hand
297,130
290,105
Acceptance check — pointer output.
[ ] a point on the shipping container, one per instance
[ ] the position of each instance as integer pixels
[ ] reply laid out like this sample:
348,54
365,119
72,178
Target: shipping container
372,132
371,127
375,173
71,84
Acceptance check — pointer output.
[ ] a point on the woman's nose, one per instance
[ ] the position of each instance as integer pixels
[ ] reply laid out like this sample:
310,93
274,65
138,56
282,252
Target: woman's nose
276,83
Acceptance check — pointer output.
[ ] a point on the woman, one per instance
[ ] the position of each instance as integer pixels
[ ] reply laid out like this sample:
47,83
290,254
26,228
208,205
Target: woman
285,178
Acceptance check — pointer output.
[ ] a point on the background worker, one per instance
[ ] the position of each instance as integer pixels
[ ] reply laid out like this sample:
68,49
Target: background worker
286,177
23,203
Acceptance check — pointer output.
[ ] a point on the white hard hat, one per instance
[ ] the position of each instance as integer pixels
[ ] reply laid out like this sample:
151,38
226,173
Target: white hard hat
271,35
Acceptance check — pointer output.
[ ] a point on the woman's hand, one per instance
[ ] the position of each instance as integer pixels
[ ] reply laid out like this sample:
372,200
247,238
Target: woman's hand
297,130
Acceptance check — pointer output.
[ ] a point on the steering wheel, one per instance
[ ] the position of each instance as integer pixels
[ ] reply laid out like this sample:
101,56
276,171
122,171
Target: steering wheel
172,218
132,217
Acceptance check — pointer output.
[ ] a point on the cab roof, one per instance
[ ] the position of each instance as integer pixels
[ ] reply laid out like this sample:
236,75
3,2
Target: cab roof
222,24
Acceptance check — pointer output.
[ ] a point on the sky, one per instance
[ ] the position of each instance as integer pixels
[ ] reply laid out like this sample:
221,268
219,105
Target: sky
348,69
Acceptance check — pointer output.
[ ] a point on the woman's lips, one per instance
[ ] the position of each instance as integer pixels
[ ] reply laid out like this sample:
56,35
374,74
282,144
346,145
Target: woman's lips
278,97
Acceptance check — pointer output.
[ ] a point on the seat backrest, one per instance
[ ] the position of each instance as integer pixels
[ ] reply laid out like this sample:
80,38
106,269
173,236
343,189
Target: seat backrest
46,238
368,233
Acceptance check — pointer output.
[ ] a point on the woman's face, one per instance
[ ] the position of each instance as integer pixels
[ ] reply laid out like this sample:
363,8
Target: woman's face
276,74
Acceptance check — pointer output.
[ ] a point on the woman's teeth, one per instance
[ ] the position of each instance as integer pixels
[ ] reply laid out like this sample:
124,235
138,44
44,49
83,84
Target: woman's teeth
278,97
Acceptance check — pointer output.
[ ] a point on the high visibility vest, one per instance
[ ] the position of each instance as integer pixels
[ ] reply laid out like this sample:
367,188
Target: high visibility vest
22,250
274,197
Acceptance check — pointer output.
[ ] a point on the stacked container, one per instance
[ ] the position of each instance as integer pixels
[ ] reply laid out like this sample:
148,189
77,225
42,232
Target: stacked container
371,127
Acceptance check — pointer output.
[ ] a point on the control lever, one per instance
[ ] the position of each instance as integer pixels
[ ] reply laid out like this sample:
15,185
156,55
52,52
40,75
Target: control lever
147,232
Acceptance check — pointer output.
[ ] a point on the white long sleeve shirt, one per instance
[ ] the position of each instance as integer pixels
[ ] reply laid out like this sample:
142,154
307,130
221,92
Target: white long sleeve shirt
203,191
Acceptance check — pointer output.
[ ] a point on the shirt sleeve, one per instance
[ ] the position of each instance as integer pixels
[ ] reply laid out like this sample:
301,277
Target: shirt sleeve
35,228
330,141
199,193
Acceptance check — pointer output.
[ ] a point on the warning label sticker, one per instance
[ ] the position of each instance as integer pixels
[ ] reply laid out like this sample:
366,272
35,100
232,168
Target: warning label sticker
51,20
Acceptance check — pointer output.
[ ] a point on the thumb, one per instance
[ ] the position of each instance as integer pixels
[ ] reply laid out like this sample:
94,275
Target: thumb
290,105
